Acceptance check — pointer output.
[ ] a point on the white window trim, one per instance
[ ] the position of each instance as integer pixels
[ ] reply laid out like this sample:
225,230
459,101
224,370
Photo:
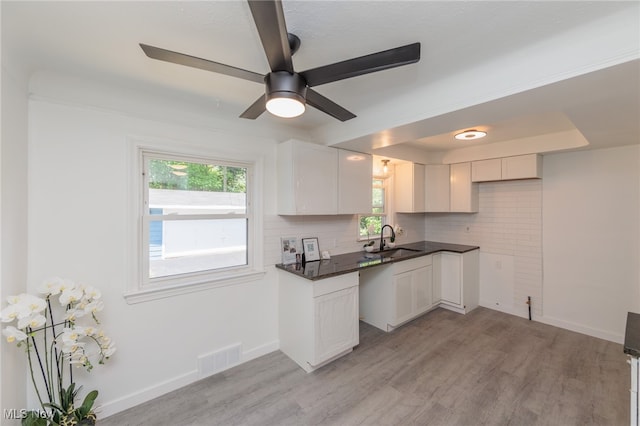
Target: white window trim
136,291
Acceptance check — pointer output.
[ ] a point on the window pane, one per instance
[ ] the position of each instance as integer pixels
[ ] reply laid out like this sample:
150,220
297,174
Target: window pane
185,246
170,174
178,187
378,198
370,226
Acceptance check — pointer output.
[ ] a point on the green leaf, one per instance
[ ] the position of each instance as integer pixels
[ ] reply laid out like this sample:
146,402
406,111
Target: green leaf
54,406
33,418
87,404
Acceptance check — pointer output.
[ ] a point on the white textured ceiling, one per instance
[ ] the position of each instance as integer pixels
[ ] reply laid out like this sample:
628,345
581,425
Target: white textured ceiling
99,41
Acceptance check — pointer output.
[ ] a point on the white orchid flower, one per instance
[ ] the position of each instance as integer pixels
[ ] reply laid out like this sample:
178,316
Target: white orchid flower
14,311
81,330
33,321
14,334
72,347
35,304
70,296
92,293
51,286
93,307
108,350
68,335
73,314
88,331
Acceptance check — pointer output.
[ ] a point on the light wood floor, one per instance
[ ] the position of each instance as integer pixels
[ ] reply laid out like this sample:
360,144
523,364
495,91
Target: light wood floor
485,368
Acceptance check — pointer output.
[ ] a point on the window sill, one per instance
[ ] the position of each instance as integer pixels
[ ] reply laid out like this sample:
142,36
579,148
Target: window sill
149,294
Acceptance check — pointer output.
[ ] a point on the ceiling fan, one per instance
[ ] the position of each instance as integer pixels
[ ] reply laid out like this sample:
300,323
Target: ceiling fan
287,91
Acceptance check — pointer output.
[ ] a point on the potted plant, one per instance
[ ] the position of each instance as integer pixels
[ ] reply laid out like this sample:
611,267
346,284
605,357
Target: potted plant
54,347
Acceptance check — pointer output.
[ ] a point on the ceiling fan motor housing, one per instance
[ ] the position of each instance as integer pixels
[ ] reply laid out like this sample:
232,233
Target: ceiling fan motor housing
282,84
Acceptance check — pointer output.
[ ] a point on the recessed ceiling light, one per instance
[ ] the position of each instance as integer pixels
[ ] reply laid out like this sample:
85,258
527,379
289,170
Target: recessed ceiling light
468,135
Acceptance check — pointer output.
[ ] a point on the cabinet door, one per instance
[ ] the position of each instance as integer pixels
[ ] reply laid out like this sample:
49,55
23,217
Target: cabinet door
336,323
522,167
486,170
402,298
451,276
316,179
423,283
436,188
409,187
464,193
307,176
355,174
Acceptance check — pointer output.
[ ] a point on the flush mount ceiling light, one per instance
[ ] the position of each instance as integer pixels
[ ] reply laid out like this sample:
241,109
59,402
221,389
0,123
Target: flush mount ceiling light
472,134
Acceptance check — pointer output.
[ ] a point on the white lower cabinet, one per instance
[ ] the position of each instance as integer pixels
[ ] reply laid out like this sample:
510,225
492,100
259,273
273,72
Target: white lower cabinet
318,320
456,275
394,294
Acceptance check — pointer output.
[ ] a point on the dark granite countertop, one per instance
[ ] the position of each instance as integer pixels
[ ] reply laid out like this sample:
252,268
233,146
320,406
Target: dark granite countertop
632,335
351,262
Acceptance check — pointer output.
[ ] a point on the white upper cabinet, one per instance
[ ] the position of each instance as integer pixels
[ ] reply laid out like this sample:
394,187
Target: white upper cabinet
486,170
355,173
464,193
437,188
319,180
307,179
522,167
508,168
409,188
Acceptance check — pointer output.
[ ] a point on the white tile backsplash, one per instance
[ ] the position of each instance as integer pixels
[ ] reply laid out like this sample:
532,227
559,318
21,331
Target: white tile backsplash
337,234
508,223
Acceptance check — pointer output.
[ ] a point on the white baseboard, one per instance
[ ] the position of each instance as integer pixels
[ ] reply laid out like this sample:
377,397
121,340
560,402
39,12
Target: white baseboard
117,405
522,313
557,322
143,395
260,351
578,328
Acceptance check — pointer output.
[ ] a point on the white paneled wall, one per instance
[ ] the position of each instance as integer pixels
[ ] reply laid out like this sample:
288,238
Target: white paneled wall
508,229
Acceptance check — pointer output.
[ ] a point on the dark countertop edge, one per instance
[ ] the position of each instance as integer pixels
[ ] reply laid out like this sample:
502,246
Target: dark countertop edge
632,335
425,248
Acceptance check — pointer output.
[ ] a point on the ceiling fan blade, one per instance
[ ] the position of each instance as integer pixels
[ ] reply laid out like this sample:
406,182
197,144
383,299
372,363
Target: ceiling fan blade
363,65
327,106
256,109
204,64
269,18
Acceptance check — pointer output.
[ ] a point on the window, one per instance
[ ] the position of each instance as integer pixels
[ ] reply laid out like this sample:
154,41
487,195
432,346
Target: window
195,227
370,225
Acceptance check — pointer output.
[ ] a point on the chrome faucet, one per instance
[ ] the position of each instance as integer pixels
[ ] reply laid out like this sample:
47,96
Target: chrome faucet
393,236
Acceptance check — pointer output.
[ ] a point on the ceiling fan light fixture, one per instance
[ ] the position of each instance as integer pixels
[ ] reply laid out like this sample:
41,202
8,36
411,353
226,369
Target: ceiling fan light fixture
472,134
286,94
285,106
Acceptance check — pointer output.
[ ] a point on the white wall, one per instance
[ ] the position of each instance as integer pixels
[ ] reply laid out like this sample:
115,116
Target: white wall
78,216
13,227
591,237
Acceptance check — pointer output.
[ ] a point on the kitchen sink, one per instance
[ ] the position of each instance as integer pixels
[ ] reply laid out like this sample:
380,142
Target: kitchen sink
398,252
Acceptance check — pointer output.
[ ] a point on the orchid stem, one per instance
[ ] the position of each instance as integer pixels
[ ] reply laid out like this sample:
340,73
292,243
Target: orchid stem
44,376
33,379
